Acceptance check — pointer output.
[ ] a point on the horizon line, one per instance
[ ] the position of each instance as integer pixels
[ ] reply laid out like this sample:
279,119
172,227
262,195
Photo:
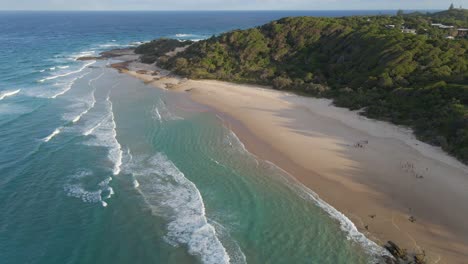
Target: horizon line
207,10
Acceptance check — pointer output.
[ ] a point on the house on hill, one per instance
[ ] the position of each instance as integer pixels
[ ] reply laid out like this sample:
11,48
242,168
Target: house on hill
441,26
408,31
462,32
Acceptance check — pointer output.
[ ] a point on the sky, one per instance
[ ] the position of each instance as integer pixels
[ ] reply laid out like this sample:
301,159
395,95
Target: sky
227,4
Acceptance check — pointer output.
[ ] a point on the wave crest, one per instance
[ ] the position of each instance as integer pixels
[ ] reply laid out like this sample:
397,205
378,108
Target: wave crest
168,192
6,94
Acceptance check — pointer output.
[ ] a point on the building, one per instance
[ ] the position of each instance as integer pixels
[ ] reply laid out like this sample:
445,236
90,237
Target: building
390,26
409,31
446,27
462,32
441,26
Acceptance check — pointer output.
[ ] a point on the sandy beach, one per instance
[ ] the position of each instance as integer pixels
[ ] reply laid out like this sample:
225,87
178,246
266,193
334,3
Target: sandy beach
392,186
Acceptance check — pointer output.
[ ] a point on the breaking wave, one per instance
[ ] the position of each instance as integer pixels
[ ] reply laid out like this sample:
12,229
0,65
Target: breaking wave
156,114
168,192
161,113
68,73
52,135
346,225
74,188
106,135
93,100
6,94
68,86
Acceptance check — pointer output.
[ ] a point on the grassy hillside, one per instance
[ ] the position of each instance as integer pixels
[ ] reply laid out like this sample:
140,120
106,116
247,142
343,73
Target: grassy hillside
418,80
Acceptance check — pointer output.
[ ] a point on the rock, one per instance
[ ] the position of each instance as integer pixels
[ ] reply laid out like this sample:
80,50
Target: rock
388,260
420,258
86,58
116,52
396,251
170,85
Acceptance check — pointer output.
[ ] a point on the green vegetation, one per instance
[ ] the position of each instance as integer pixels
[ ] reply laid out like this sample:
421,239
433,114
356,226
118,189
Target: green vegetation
153,50
418,80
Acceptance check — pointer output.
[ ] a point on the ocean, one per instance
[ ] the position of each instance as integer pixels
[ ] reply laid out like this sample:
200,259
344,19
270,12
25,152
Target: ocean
97,167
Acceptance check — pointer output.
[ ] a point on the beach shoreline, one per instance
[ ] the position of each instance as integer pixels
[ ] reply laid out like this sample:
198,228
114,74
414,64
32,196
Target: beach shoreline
390,185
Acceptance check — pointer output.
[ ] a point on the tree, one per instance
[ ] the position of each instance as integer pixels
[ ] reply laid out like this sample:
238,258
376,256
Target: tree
400,12
451,7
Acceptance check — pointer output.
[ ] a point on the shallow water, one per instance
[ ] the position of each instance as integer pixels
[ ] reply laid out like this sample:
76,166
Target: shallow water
98,167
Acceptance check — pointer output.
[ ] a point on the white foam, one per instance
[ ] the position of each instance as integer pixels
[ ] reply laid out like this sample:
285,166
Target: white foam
93,100
184,35
91,130
192,37
168,192
346,225
82,174
162,113
91,106
105,185
115,152
68,86
106,135
74,188
110,45
6,94
77,191
53,134
86,53
63,67
156,114
105,182
136,184
137,43
42,71
234,141
52,69
68,73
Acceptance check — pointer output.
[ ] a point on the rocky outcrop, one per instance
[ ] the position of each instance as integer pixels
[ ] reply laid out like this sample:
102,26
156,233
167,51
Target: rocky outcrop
401,256
108,54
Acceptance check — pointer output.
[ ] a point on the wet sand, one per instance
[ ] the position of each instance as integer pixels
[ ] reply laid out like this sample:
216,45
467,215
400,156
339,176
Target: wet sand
392,186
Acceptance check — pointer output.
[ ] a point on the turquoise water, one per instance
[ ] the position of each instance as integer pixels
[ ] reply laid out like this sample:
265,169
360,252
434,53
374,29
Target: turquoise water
96,167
